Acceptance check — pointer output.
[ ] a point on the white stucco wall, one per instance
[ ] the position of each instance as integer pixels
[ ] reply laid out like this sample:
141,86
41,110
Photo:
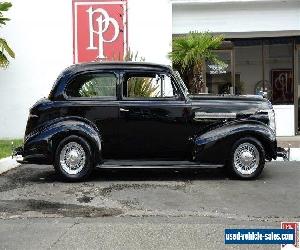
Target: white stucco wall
235,16
150,29
284,115
40,33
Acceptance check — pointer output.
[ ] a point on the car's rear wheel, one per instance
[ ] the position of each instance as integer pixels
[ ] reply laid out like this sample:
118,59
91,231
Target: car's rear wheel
247,158
73,158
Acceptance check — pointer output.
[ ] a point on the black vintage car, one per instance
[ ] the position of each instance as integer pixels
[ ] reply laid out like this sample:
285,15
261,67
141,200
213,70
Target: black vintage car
141,115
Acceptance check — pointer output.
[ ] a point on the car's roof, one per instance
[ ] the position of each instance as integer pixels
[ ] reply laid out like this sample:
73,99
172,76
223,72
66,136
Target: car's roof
64,77
117,65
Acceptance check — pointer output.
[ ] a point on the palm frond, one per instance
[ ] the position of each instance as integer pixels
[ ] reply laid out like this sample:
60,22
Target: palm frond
3,60
3,20
194,48
5,47
4,6
190,52
138,87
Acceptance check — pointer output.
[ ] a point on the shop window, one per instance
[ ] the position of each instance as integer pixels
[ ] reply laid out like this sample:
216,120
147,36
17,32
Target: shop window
278,58
219,77
265,67
248,67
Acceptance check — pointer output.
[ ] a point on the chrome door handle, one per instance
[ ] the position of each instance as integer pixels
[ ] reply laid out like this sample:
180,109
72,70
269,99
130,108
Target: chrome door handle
124,110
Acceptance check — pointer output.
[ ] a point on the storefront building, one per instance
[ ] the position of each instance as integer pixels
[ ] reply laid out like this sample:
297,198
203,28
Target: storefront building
264,52
261,52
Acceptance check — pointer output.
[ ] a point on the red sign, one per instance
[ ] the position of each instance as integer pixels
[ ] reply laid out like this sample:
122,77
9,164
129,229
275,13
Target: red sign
295,226
99,30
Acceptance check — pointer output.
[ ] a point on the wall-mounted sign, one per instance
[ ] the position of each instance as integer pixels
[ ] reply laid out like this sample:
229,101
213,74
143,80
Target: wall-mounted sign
282,86
216,69
99,30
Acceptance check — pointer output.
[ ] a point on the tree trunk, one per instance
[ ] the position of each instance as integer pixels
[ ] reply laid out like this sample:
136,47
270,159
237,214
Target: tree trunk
203,74
198,79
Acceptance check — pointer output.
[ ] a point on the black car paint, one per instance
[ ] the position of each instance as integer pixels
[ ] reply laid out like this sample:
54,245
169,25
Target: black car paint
125,128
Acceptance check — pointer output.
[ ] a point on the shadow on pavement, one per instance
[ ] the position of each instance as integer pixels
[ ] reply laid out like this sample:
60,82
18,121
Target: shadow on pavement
46,174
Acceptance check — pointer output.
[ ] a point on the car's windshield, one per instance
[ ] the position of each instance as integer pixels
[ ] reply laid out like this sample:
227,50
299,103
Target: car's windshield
181,82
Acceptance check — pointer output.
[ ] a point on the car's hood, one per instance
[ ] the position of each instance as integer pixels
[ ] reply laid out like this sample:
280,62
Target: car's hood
229,103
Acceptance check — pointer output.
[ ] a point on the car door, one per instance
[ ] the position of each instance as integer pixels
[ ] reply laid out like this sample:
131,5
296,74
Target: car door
93,97
153,117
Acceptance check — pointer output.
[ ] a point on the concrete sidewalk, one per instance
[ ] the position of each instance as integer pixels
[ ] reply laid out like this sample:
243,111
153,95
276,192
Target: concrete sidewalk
292,142
286,141
123,233
144,209
8,164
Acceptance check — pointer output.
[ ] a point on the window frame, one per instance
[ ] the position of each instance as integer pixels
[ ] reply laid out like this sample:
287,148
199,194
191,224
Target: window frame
174,83
100,98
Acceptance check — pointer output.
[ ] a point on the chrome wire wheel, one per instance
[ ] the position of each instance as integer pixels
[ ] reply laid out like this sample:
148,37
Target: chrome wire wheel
72,158
246,158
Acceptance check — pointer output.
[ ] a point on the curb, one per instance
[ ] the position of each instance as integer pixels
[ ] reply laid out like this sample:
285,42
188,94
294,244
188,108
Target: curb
7,164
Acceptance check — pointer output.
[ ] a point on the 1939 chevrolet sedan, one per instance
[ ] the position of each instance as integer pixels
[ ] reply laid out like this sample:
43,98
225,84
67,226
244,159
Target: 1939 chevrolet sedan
141,115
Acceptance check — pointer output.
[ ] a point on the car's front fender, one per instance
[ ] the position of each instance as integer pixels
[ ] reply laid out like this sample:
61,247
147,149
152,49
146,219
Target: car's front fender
41,144
214,146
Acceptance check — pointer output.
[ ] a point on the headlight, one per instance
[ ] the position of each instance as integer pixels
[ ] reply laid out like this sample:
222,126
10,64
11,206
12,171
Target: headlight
271,118
271,115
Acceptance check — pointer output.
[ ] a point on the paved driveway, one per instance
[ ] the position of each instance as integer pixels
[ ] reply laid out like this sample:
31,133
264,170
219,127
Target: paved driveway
143,209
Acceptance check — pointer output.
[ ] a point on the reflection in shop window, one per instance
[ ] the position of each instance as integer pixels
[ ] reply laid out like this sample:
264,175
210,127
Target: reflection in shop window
248,67
265,67
219,76
278,57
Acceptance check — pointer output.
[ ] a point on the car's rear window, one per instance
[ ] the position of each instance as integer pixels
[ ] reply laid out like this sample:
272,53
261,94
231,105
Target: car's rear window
93,85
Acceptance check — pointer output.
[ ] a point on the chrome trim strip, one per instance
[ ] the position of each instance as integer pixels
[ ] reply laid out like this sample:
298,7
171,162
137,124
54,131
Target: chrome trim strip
155,164
179,166
205,115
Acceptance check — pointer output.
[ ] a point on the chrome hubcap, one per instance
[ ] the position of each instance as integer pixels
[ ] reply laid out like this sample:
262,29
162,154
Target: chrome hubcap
72,158
246,158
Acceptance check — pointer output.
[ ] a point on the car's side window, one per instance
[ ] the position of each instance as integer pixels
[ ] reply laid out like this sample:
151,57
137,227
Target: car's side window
93,85
149,85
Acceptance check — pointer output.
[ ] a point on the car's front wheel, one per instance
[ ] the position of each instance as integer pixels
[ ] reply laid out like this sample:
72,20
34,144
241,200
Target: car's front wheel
247,158
73,158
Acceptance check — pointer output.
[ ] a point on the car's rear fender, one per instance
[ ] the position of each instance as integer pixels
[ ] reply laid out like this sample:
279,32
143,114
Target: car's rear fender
214,146
40,146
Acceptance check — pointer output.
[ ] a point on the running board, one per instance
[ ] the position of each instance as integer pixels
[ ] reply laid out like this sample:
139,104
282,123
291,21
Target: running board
154,164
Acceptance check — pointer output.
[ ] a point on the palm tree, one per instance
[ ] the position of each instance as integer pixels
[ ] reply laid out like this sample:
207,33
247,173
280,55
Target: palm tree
191,52
5,49
138,87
